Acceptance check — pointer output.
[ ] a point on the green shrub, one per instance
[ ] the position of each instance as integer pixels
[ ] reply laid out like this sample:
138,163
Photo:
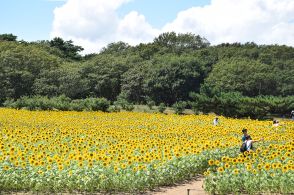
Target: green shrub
76,105
114,108
150,104
59,103
179,107
101,104
123,103
234,104
129,107
161,107
95,104
9,103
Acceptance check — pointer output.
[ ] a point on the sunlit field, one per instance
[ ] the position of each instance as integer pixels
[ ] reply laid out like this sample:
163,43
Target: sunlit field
54,151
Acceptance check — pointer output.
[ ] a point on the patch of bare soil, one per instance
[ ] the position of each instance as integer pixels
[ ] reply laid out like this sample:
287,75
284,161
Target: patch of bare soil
193,187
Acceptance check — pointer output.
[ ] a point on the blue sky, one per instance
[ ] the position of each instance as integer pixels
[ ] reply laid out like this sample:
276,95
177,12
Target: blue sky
32,19
159,12
93,24
28,19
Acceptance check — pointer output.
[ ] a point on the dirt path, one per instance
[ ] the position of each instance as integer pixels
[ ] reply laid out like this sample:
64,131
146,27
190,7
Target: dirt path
194,186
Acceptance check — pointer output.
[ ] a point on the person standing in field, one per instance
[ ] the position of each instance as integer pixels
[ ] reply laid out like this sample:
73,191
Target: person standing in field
292,115
247,142
215,121
275,123
245,134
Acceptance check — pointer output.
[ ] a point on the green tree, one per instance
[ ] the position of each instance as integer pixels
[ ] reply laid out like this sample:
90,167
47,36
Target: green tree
20,65
66,80
132,83
103,75
114,48
171,78
179,42
249,77
7,37
69,50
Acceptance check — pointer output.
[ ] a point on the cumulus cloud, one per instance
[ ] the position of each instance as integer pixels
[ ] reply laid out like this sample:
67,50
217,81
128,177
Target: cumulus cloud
95,23
261,21
134,29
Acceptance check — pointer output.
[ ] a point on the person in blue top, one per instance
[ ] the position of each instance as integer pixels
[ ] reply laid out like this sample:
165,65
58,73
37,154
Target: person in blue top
245,134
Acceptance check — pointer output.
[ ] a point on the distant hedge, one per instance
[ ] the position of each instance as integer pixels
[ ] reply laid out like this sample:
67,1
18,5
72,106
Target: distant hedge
58,103
234,104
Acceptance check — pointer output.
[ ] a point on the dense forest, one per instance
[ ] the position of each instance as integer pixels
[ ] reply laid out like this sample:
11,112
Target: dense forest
231,79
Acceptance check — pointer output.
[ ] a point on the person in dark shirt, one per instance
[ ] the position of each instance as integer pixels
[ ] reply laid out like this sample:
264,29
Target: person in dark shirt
245,134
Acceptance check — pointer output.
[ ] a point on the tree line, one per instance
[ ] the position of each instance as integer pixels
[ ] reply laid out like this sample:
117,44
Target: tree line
173,68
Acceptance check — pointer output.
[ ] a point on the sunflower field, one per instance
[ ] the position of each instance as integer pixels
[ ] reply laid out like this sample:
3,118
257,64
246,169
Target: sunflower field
53,151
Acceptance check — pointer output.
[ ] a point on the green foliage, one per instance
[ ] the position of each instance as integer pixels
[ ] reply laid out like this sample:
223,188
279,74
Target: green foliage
114,108
179,107
129,107
19,68
150,103
161,107
68,49
103,75
95,104
172,78
58,103
180,42
166,70
234,104
67,80
250,77
114,48
77,105
123,103
253,70
132,82
7,37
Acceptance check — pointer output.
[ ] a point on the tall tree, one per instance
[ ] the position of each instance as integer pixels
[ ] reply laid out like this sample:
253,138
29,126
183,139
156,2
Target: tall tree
180,42
67,47
7,37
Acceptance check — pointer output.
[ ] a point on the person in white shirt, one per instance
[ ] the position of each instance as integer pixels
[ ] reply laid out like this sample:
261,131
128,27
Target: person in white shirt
275,123
249,143
215,121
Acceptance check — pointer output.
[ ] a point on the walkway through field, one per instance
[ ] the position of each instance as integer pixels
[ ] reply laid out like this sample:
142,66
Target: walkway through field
195,187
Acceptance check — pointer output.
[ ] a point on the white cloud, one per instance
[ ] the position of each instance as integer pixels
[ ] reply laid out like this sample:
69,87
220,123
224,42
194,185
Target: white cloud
134,29
95,23
261,21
